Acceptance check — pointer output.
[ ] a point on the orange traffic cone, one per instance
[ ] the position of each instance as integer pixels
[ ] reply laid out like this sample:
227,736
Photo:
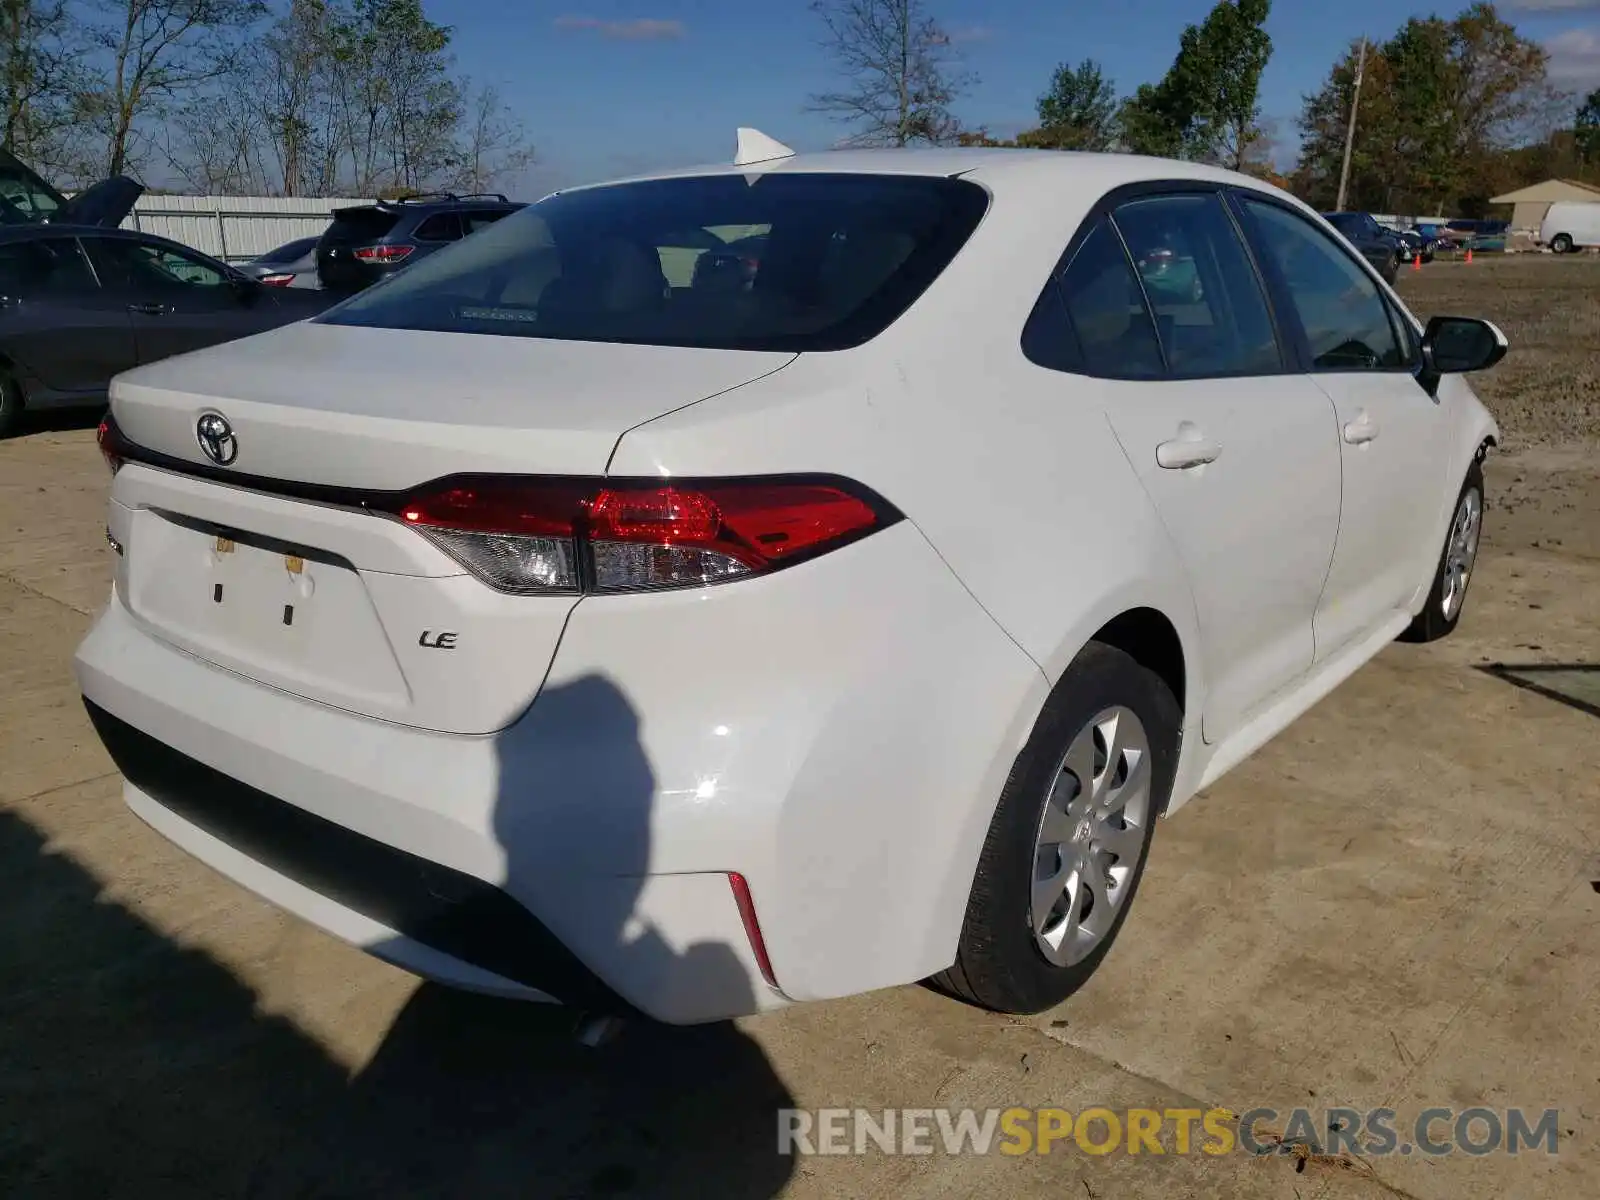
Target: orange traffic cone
1416,262
1469,255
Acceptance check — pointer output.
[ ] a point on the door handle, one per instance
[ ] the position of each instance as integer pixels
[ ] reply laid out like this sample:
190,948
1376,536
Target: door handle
1360,431
150,309
1182,453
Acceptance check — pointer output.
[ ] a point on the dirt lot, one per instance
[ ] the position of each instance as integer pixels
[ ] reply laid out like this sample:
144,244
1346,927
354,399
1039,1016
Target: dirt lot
1395,903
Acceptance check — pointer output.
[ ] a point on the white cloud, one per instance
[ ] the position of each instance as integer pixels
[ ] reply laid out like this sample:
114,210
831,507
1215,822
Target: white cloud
637,29
1553,6
1575,58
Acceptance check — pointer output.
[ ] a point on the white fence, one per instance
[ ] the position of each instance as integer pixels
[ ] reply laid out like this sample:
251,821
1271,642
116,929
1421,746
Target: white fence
234,228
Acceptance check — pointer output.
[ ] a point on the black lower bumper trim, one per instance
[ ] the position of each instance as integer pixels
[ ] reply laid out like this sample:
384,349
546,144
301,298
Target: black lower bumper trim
438,906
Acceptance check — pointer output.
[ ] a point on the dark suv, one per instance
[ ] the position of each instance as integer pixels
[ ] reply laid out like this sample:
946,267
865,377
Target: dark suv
366,242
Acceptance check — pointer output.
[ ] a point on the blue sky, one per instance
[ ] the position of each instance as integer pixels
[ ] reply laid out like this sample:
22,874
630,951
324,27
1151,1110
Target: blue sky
607,87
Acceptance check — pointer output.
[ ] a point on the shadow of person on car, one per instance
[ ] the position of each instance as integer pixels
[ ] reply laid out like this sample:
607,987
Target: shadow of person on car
471,1095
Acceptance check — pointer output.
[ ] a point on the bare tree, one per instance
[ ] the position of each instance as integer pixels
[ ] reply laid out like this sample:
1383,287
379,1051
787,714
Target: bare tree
900,71
291,67
494,144
216,143
159,53
41,78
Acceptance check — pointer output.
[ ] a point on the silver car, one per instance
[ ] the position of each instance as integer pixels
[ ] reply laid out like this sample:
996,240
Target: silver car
293,264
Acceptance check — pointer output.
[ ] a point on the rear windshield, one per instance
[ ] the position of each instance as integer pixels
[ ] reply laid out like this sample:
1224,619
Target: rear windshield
359,225
778,262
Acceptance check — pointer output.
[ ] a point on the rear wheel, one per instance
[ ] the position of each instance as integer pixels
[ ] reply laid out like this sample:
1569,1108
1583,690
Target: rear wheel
1069,839
10,405
1448,595
1561,243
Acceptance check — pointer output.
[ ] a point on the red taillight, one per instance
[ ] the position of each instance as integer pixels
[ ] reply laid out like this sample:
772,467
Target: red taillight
277,280
542,535
111,444
752,927
382,254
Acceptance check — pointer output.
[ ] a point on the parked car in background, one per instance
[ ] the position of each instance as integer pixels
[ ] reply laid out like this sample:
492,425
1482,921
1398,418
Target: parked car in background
1570,225
696,643
1479,234
1379,247
364,243
1418,245
79,304
1438,237
293,264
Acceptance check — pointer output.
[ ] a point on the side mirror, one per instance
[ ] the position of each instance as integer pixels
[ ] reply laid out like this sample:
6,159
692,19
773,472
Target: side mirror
1453,345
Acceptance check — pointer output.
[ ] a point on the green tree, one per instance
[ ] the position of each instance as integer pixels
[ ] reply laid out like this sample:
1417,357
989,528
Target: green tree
1153,121
1442,104
1207,105
900,74
1586,129
1219,75
1079,111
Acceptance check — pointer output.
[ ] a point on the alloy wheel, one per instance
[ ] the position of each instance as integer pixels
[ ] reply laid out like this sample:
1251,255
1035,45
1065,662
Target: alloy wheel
1461,552
1091,836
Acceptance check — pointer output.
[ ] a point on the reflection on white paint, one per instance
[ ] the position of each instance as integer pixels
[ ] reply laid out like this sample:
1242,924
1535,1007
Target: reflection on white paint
706,790
721,731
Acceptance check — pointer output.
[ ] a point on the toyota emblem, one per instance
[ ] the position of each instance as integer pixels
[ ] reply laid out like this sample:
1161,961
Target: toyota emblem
216,438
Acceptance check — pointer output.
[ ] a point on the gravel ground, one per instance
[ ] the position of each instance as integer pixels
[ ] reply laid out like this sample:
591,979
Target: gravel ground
1548,390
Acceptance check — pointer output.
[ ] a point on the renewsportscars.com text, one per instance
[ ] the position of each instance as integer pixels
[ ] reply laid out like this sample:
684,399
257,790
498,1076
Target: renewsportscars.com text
1375,1132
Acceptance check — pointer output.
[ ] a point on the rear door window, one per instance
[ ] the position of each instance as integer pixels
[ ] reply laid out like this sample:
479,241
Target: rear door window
804,261
441,227
1210,311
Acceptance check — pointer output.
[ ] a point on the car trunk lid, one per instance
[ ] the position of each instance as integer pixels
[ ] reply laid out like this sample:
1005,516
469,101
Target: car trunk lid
384,409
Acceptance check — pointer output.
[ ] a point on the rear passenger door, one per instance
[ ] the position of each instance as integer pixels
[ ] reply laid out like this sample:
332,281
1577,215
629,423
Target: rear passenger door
1238,451
1394,434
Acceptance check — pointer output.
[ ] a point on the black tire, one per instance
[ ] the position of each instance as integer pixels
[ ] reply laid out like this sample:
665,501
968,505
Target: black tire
10,406
1561,244
1433,622
998,963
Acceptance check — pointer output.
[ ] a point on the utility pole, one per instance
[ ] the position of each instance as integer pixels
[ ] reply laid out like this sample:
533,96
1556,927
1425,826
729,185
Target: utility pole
1350,130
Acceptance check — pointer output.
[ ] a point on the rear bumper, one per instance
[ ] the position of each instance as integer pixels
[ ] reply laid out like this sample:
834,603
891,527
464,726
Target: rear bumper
837,734
412,899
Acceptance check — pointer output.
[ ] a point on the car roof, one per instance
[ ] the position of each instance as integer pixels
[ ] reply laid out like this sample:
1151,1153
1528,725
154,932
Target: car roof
432,203
42,230
1050,171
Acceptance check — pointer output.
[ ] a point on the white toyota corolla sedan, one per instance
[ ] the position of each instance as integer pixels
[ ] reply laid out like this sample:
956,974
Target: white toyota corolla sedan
771,581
